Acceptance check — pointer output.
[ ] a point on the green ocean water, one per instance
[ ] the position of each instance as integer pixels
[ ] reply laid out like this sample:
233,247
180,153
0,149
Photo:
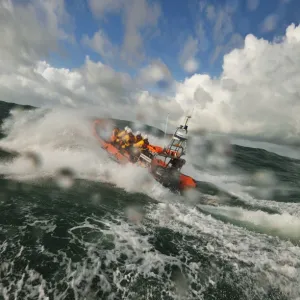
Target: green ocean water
111,232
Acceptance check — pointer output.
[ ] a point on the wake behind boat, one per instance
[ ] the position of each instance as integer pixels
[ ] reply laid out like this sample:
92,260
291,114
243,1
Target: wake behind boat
163,163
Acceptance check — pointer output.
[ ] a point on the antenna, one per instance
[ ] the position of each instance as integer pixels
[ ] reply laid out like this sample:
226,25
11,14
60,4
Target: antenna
185,127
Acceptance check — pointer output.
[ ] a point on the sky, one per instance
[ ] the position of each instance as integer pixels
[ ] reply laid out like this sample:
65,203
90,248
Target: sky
236,63
188,36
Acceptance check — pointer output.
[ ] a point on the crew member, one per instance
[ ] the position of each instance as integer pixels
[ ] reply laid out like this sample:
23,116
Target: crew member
143,143
114,135
128,139
138,147
122,134
138,137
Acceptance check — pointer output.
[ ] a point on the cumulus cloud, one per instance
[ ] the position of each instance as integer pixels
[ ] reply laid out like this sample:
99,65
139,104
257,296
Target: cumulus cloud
31,30
43,84
26,78
94,84
138,16
257,93
154,109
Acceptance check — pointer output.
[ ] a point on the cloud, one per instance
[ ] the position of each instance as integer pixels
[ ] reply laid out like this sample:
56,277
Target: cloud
100,8
94,84
139,18
223,25
187,55
210,12
223,31
257,93
100,44
42,84
154,109
203,41
31,30
26,78
217,21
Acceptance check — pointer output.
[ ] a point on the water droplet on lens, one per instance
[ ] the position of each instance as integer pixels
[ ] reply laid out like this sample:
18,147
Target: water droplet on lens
65,178
96,199
192,195
265,181
134,214
33,159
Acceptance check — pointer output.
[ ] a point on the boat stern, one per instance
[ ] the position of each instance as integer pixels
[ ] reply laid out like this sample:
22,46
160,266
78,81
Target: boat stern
186,182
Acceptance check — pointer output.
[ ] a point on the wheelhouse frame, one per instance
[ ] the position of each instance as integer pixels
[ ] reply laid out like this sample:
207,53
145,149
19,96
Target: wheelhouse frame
175,149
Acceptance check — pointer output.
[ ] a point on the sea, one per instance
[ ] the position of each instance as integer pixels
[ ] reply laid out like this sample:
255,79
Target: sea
74,224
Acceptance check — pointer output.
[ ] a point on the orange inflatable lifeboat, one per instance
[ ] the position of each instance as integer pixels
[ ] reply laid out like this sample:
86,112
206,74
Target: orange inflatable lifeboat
156,161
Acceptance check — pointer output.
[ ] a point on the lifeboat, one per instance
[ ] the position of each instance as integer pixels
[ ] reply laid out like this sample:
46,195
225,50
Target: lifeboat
163,163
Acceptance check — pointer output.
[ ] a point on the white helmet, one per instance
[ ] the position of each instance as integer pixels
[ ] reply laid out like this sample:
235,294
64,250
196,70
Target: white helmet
128,130
145,137
138,133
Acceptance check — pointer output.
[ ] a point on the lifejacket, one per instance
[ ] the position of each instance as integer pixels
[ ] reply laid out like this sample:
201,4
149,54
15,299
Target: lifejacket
121,133
120,136
139,144
127,140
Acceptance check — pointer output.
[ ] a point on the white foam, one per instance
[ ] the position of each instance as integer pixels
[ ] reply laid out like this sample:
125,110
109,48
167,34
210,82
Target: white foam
64,139
142,261
268,260
283,225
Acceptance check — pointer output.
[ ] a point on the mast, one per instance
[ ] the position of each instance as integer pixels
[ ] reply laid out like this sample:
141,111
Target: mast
178,143
185,127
